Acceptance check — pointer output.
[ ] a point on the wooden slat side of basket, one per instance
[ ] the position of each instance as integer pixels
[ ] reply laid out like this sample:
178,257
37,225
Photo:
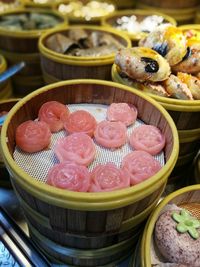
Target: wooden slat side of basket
185,120
86,222
190,147
78,257
20,45
81,242
32,61
66,71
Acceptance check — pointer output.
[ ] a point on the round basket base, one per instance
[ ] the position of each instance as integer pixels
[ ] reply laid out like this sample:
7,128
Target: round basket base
108,256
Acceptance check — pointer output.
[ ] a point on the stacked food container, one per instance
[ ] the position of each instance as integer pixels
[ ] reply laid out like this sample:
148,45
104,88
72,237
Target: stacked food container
101,152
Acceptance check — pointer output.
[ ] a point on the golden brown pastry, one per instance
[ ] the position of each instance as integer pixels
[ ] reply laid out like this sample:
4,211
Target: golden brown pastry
142,64
192,83
177,89
170,42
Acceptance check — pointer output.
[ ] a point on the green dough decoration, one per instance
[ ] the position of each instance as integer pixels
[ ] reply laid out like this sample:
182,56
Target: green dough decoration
186,223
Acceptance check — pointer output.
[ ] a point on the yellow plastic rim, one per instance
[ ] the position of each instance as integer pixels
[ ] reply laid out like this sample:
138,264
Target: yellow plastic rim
168,103
3,64
31,33
81,61
88,201
147,235
139,12
9,100
189,135
190,27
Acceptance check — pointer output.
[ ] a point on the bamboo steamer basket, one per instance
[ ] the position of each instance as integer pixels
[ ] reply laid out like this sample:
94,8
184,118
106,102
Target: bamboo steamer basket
181,15
5,88
140,14
94,20
187,197
56,66
51,210
5,105
16,46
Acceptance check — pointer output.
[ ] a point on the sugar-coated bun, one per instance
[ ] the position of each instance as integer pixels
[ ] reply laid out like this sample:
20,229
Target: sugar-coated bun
175,247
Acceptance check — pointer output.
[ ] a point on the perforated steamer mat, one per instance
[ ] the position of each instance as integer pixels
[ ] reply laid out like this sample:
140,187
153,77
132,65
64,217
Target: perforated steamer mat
38,164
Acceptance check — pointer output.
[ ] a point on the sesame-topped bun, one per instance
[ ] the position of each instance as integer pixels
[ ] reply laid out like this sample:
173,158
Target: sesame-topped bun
177,237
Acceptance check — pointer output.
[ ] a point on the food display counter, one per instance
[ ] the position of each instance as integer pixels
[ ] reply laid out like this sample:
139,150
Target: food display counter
134,73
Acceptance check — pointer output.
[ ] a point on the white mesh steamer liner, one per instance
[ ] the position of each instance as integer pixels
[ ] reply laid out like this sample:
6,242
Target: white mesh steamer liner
38,164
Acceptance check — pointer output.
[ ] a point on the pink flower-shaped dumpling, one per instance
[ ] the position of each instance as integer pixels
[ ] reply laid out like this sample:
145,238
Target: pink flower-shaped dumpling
147,138
79,121
77,147
140,165
51,112
122,112
33,136
110,134
70,176
108,178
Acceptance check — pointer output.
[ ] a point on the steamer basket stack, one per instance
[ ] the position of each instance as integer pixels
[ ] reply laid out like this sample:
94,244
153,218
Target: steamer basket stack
76,229
87,229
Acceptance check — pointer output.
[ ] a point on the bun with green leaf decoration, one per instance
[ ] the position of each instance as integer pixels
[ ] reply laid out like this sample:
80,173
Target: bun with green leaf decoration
177,237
